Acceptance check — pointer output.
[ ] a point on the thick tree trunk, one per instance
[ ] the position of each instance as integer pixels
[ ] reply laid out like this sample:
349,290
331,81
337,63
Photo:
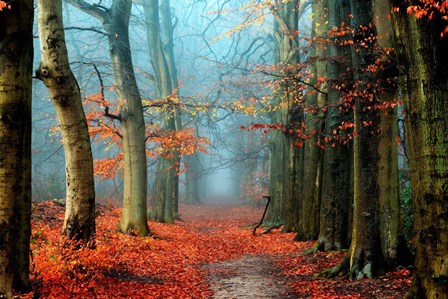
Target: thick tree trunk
337,195
54,71
16,63
393,247
366,259
423,62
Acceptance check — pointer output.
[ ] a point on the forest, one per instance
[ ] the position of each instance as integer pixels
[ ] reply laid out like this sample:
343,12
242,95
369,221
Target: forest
224,149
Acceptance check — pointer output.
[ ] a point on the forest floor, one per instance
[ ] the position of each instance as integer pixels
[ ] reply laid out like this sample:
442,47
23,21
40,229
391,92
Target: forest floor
210,254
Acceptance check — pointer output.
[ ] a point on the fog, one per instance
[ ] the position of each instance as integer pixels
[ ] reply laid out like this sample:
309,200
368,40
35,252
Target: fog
218,47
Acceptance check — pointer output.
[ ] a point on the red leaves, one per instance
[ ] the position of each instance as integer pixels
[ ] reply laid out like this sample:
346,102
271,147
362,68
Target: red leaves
170,265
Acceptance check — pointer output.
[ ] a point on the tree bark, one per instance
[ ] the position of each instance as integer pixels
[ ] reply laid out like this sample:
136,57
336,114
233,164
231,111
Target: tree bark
16,63
315,121
282,188
393,247
161,50
424,81
366,259
55,72
337,196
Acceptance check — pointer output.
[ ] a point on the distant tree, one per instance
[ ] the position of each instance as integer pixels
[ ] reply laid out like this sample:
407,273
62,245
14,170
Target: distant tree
16,63
420,28
55,72
159,29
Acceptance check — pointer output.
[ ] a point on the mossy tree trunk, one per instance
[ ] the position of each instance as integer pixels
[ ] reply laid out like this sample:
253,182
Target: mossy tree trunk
424,73
366,258
16,63
393,248
55,72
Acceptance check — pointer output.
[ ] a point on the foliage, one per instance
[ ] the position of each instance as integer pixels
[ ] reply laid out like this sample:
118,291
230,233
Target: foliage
4,5
170,264
430,9
102,117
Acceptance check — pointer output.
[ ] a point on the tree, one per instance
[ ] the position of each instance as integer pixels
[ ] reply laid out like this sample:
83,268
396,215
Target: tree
283,155
337,189
16,63
393,248
55,72
161,49
115,20
366,259
424,81
316,103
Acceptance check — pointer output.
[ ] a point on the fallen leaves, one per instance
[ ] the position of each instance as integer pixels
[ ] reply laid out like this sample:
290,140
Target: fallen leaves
171,263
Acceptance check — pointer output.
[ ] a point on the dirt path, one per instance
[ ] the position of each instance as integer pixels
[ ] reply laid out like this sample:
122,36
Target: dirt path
251,276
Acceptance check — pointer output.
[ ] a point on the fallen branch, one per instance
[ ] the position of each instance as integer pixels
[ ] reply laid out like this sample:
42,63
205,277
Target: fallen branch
264,214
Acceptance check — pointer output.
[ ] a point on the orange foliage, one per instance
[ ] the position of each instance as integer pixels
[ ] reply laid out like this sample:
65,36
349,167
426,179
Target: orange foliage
4,5
170,264
429,9
159,142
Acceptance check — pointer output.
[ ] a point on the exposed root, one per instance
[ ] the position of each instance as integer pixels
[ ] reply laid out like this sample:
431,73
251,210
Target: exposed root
269,228
341,270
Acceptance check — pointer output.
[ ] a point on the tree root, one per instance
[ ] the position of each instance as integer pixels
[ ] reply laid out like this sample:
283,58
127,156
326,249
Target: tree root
341,270
269,228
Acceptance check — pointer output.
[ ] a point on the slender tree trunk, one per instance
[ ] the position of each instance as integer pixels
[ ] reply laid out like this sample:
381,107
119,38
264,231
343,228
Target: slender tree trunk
313,156
337,193
167,38
54,71
165,190
135,174
423,61
16,63
281,158
115,21
192,180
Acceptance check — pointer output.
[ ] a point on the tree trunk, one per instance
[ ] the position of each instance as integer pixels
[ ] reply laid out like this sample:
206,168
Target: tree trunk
135,178
115,21
16,63
337,195
192,180
366,259
165,190
281,159
393,247
54,71
423,62
313,156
